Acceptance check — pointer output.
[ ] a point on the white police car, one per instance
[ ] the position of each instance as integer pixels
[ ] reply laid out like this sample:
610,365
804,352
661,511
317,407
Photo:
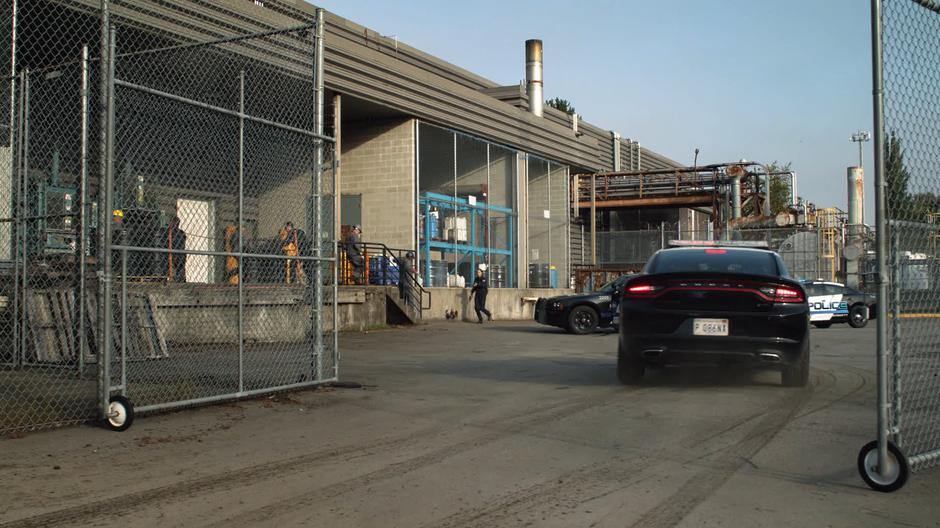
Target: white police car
831,302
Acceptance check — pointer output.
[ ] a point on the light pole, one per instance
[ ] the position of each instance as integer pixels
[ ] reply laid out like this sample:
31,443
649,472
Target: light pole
860,137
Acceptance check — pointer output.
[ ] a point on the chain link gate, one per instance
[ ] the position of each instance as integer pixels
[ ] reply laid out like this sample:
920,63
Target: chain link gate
215,204
47,363
227,300
906,40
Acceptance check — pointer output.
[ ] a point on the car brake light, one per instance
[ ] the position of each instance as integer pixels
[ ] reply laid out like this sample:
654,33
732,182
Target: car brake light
784,294
715,251
642,290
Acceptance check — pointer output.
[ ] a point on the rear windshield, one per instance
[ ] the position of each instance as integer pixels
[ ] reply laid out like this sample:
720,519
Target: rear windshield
714,260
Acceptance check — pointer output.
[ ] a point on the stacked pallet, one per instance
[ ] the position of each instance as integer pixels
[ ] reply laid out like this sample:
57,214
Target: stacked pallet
53,329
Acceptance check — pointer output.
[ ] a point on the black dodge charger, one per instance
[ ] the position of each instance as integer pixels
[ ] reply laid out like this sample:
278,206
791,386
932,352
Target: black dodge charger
714,305
585,312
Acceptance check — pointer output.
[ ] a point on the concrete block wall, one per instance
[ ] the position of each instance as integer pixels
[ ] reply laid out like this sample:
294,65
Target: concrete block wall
378,162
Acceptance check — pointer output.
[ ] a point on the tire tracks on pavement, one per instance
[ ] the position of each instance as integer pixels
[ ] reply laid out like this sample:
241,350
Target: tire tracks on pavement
488,435
116,506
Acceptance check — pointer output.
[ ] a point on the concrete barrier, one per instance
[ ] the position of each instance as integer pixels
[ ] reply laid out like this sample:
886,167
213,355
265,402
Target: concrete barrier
208,313
505,303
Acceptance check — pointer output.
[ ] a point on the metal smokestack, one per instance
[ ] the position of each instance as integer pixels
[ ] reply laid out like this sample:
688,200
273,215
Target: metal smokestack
533,75
856,187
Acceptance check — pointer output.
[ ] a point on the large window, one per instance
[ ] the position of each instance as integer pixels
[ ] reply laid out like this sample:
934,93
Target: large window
547,202
466,214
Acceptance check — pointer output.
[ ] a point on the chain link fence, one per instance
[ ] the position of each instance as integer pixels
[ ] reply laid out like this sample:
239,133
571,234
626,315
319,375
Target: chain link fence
165,214
911,143
810,251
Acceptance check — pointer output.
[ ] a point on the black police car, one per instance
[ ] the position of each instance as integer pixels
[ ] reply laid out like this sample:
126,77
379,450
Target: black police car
714,305
583,313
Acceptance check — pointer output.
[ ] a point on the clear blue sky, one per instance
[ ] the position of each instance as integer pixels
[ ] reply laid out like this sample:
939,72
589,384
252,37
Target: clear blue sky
761,80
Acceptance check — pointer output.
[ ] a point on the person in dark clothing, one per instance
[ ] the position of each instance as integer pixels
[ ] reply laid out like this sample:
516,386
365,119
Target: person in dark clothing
406,281
480,287
174,262
353,246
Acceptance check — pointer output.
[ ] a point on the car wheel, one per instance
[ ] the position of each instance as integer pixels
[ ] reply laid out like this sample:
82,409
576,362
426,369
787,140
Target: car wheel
858,316
896,473
582,320
630,369
822,325
797,375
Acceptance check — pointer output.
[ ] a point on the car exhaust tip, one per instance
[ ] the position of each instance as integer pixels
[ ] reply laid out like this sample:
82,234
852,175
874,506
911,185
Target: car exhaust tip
652,353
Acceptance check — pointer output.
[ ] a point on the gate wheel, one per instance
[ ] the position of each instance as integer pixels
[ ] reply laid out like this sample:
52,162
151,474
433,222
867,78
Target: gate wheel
896,472
120,414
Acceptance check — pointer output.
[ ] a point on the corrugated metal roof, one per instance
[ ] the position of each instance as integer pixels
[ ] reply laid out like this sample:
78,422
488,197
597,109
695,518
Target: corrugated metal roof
362,63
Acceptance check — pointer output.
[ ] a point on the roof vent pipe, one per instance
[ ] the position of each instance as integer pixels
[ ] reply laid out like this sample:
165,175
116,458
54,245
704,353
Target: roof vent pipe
533,75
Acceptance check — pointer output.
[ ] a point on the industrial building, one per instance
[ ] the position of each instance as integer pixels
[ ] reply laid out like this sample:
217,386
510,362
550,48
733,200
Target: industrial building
175,176
430,157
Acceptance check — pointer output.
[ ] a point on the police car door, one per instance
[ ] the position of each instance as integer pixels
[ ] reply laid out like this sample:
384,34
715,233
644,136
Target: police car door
825,302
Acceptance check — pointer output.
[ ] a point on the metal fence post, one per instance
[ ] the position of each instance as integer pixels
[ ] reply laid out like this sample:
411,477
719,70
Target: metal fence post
123,321
13,119
895,280
881,241
241,232
82,213
19,354
317,190
105,204
336,352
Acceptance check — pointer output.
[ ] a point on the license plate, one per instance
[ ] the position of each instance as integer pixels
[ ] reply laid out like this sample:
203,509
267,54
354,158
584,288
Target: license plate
710,327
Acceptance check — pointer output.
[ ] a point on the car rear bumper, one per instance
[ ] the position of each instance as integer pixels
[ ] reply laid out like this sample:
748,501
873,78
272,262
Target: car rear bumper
768,340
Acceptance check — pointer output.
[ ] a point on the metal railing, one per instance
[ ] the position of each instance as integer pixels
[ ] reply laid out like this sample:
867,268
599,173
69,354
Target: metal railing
386,266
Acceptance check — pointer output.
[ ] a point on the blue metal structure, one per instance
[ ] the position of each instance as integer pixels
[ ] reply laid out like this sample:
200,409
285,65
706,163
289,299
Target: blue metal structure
472,250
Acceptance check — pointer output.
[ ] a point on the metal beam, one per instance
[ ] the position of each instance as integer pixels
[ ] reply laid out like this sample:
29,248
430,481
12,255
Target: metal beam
647,202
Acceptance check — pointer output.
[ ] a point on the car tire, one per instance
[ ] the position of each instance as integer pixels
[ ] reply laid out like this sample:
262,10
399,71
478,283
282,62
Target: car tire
797,375
858,316
630,369
822,325
582,320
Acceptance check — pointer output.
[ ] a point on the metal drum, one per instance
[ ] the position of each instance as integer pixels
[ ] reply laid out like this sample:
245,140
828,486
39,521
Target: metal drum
539,276
497,276
438,275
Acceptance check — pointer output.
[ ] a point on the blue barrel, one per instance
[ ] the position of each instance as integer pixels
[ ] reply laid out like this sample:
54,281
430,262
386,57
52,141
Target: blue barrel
382,275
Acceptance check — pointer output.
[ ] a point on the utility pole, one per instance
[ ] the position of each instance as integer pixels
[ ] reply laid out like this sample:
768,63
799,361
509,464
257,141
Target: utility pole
860,137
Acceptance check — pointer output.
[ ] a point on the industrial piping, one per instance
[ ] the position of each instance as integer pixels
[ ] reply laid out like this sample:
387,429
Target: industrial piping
533,75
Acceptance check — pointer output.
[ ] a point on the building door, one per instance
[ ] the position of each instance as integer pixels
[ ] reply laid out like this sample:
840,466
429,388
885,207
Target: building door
351,209
197,221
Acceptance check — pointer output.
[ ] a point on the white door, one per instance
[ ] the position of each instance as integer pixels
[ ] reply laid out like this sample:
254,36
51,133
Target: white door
196,220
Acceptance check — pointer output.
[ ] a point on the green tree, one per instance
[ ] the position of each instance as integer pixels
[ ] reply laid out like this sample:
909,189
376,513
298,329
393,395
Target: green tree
897,178
779,186
561,104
